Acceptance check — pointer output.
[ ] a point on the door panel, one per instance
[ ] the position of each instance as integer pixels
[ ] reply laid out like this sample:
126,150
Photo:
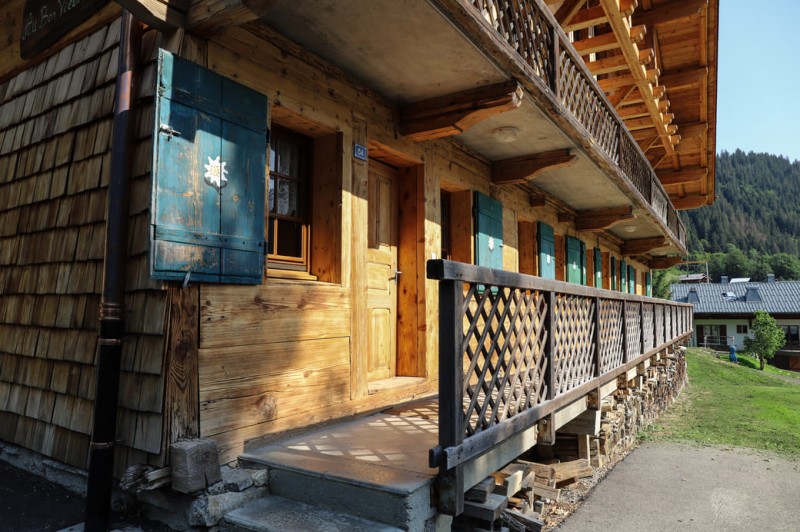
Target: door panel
381,267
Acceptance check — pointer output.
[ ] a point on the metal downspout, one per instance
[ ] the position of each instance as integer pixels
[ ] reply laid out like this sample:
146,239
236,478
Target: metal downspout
112,305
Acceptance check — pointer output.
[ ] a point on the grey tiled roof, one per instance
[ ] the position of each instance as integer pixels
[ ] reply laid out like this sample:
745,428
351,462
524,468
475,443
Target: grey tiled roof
780,297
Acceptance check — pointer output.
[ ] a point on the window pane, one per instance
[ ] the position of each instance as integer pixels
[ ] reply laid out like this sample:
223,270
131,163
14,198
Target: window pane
287,198
290,239
271,199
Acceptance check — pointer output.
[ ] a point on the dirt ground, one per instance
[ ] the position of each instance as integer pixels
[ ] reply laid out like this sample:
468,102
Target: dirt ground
668,486
30,503
657,487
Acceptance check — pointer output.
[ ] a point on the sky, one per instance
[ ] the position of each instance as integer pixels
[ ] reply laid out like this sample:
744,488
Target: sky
758,91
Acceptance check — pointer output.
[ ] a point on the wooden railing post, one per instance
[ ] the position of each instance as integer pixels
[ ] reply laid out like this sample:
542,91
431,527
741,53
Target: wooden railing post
451,390
625,354
641,329
598,370
555,71
550,352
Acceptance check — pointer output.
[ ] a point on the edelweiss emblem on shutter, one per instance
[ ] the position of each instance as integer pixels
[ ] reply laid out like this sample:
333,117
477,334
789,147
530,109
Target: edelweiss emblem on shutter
215,173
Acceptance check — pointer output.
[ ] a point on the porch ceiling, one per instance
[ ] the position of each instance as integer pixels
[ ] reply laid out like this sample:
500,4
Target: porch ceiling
408,51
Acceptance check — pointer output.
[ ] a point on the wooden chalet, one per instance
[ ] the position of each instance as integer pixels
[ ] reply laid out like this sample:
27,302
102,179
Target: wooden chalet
294,166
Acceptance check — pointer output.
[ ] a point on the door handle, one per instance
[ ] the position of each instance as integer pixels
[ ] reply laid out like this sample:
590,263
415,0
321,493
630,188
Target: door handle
397,275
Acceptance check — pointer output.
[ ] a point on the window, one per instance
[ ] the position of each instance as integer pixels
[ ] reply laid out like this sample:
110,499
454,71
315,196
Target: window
447,237
289,229
741,329
792,333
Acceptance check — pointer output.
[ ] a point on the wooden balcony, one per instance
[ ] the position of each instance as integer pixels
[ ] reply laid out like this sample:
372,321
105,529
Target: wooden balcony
527,30
515,350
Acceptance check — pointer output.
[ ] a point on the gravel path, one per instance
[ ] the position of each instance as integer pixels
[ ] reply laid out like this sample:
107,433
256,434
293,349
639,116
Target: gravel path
671,486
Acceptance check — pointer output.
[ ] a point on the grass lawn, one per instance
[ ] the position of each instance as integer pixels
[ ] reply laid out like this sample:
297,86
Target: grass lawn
733,405
752,363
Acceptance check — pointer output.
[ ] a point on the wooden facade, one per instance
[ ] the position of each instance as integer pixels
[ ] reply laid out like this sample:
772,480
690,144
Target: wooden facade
352,325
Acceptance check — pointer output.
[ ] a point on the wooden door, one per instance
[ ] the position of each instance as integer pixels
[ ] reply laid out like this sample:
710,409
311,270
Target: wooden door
382,271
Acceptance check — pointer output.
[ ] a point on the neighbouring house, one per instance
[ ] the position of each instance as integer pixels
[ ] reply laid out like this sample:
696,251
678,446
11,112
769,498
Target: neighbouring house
262,249
724,312
694,278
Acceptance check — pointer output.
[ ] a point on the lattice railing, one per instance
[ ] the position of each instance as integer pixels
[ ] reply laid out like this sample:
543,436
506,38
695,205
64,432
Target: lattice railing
633,330
572,354
513,346
529,28
611,323
503,350
648,317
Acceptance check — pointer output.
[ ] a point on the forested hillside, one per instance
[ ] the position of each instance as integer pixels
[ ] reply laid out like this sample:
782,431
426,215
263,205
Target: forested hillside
753,228
757,206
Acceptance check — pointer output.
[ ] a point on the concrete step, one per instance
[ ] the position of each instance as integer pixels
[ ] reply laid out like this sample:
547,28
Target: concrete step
391,496
278,514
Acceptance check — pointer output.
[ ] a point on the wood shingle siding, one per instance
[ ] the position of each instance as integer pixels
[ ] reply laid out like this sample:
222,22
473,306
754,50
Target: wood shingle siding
55,134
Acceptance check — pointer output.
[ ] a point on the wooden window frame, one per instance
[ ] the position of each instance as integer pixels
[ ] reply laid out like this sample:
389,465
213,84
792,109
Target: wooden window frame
446,225
278,264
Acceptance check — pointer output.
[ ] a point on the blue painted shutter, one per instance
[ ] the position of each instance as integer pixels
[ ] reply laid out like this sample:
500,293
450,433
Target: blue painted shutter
631,280
583,263
598,268
207,221
648,285
488,232
613,273
573,260
547,251
623,276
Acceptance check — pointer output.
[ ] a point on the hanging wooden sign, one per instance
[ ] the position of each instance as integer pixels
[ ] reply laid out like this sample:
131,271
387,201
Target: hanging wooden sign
44,22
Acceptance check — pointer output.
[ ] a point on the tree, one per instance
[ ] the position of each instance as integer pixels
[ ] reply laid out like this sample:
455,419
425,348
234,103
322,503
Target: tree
767,338
786,267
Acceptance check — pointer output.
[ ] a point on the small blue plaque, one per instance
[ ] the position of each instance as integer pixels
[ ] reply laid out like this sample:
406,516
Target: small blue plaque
359,151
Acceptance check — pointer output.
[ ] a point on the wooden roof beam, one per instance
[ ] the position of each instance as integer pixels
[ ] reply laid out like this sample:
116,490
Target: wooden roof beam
528,167
621,28
696,130
690,202
162,15
662,263
585,18
568,10
682,177
618,82
670,12
444,116
684,79
593,45
602,219
643,245
607,65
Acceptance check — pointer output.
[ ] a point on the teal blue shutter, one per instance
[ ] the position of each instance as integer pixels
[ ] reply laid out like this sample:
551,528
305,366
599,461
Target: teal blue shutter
648,285
547,251
613,273
573,260
206,218
583,263
488,232
623,276
598,268
631,280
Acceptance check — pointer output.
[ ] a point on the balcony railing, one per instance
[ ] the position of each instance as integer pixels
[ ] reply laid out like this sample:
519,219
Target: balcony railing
531,31
515,348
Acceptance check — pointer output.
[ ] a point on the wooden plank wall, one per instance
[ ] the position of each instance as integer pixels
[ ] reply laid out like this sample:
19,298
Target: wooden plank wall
55,155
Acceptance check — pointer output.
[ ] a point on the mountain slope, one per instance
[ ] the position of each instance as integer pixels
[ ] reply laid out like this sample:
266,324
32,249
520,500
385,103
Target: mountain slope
757,206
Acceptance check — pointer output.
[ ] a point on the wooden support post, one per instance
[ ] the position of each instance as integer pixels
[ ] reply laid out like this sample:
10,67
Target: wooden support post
641,329
182,407
626,355
451,376
549,322
598,369
519,170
